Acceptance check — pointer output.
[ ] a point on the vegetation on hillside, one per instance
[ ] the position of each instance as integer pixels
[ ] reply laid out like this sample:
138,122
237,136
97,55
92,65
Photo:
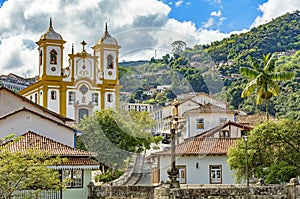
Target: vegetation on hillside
214,69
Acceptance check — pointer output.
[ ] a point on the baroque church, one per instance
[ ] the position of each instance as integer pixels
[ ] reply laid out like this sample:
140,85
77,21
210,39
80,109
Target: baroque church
88,83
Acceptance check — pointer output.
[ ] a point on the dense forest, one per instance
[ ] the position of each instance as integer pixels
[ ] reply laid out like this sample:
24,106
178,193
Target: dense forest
214,69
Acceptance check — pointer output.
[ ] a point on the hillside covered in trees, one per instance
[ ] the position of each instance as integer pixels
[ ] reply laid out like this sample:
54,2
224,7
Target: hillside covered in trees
214,68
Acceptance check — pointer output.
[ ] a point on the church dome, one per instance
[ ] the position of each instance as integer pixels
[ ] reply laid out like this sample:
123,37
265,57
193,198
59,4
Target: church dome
51,34
107,38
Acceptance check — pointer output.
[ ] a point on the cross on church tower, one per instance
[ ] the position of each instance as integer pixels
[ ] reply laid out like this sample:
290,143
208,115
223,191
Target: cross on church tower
83,43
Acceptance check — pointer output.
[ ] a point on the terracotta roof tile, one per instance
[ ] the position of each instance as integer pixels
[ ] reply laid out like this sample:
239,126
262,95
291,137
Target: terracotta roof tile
78,161
254,119
202,146
31,139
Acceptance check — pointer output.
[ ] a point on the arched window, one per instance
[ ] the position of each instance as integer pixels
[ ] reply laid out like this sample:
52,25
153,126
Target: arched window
110,62
53,57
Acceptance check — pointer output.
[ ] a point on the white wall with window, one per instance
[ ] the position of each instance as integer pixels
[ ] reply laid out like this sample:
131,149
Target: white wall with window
200,170
201,122
53,99
78,188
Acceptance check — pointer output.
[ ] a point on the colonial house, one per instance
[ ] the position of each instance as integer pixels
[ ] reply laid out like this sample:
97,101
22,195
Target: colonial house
77,170
18,115
89,83
196,114
201,159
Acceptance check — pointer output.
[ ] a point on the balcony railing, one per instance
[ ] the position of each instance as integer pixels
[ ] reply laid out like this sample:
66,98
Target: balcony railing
45,194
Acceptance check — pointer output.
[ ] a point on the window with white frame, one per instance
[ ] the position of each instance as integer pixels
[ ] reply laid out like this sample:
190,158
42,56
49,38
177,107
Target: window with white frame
73,178
53,95
215,172
95,98
110,98
200,123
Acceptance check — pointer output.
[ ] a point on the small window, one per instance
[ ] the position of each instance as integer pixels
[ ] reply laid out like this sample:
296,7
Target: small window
110,62
53,57
243,133
215,174
222,120
53,95
71,97
35,97
72,178
95,98
109,98
224,134
200,123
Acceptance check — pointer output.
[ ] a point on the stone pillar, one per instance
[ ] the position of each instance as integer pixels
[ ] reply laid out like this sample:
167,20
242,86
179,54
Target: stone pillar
294,188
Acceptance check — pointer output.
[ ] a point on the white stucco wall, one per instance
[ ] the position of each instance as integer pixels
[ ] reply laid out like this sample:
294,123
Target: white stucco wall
53,104
25,121
10,103
211,120
201,174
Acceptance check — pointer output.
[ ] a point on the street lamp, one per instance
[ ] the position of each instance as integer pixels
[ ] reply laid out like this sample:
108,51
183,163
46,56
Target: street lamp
247,175
173,171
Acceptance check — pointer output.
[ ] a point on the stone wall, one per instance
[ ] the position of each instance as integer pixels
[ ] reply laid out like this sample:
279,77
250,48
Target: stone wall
289,191
121,192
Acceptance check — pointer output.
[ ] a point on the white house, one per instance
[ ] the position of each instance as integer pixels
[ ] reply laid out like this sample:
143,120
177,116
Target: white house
18,115
199,160
24,120
197,114
77,170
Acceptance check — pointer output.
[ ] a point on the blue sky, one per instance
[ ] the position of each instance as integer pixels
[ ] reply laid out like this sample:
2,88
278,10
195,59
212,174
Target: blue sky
229,15
140,28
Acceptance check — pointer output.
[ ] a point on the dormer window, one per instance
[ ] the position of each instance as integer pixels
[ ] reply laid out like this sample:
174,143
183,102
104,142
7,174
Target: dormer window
110,62
53,57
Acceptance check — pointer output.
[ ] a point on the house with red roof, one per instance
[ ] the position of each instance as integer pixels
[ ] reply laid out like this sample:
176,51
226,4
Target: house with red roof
77,170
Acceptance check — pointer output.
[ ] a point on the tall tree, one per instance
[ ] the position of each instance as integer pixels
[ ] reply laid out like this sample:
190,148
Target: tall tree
114,136
264,79
273,152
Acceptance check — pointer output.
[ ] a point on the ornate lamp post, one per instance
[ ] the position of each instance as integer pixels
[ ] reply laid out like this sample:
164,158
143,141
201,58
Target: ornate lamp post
173,171
247,175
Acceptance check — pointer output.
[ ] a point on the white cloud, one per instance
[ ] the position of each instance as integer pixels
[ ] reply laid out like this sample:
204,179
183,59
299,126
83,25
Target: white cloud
216,13
179,3
275,8
210,22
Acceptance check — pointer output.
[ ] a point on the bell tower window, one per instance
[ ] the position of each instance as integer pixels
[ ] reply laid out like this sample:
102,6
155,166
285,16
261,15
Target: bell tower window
110,62
53,57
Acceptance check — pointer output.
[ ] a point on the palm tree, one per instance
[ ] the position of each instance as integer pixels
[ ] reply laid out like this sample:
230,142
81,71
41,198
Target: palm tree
264,79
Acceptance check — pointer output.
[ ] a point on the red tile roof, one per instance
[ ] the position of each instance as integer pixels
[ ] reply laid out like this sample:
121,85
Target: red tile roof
210,108
201,146
254,119
76,157
31,139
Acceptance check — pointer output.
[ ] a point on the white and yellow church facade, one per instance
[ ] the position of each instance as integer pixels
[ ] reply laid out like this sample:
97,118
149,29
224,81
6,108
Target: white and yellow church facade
88,83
